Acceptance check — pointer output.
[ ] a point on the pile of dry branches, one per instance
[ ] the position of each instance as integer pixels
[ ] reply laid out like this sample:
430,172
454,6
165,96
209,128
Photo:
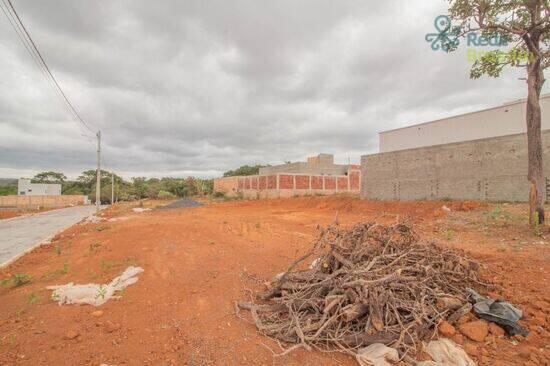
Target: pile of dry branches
369,284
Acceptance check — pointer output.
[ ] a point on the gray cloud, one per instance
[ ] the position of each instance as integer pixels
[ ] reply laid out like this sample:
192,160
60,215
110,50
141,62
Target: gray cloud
198,87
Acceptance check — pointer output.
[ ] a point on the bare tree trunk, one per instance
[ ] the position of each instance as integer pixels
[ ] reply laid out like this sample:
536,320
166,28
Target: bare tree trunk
535,80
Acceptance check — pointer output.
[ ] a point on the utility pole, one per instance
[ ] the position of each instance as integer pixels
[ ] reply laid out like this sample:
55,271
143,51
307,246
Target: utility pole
112,188
98,172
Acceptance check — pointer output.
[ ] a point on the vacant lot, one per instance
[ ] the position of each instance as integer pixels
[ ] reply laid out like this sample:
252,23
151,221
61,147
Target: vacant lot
199,260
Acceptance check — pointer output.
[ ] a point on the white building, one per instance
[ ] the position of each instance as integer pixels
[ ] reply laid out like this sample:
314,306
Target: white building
26,188
507,119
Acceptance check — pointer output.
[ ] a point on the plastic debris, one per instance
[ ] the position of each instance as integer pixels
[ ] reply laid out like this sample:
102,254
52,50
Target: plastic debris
140,210
445,352
498,311
94,294
93,219
377,354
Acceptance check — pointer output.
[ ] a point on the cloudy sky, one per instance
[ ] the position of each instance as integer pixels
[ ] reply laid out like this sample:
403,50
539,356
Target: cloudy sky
197,87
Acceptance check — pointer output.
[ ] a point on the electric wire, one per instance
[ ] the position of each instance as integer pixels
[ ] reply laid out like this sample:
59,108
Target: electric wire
37,57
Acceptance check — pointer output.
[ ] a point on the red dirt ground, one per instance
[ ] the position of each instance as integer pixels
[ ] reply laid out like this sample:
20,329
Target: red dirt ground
8,214
199,260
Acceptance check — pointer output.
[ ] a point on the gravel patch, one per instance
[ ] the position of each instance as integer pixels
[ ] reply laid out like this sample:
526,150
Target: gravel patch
182,203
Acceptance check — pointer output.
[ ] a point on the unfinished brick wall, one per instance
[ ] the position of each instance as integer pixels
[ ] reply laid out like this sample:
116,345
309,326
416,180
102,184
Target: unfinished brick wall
302,181
330,183
316,182
286,181
271,182
354,180
254,182
342,183
288,185
263,182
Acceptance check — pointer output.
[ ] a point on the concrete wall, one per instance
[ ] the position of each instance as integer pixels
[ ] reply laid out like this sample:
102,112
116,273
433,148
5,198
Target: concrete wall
492,169
31,201
507,119
322,164
25,187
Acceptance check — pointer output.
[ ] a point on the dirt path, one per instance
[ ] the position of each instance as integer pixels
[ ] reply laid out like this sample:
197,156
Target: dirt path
199,260
20,234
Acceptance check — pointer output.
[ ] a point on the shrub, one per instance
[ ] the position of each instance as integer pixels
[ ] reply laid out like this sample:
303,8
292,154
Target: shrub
164,195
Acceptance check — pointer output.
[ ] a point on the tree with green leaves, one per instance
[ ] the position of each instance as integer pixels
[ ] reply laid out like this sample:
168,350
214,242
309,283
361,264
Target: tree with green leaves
244,170
88,178
525,25
49,177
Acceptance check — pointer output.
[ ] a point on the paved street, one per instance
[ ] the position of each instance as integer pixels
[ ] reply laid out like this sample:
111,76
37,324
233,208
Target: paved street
21,234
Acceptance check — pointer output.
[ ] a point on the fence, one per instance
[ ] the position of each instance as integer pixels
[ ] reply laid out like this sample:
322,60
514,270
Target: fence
34,202
289,185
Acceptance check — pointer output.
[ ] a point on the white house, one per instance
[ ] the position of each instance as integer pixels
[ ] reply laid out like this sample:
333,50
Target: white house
26,188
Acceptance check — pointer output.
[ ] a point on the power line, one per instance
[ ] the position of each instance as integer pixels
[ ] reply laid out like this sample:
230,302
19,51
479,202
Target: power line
31,47
18,31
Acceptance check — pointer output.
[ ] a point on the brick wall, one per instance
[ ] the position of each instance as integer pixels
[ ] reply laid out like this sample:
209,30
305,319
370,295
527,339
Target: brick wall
288,185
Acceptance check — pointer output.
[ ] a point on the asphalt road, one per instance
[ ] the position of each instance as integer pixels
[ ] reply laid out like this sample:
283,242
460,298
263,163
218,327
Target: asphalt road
21,234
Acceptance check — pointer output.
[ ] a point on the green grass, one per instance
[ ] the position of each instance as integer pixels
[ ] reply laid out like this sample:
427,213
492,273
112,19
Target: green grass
16,280
448,234
32,298
94,247
106,265
64,270
11,340
58,272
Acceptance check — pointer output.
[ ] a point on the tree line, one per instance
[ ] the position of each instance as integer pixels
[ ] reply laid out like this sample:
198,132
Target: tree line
124,190
127,190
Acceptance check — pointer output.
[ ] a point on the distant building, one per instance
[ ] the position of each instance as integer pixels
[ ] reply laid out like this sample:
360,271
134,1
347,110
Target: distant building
504,120
26,188
480,156
319,175
322,164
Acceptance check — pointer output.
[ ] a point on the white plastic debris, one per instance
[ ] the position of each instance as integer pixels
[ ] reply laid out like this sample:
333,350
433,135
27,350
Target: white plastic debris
314,263
140,209
94,294
445,352
377,354
93,219
445,208
121,218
